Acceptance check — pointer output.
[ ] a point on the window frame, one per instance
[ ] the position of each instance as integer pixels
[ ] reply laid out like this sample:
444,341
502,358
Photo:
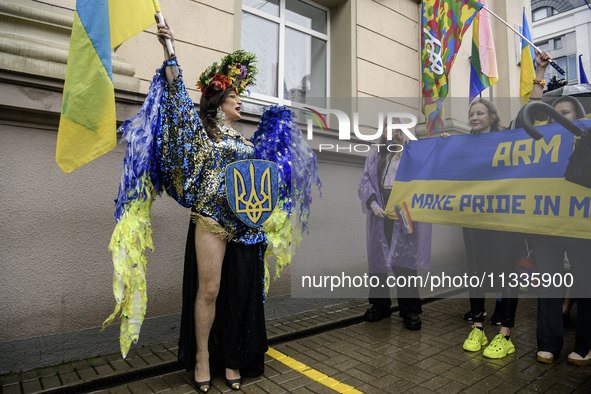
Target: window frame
262,99
550,11
573,71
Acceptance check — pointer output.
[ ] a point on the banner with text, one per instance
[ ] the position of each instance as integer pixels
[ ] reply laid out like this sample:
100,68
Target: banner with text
503,180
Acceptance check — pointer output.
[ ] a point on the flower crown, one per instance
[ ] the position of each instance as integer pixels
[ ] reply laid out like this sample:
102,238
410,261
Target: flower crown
236,70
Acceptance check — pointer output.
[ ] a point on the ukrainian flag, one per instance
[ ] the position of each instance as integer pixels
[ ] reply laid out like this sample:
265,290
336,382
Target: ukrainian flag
528,72
483,70
88,126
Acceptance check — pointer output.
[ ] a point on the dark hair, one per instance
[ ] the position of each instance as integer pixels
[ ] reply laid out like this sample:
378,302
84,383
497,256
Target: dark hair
495,120
577,106
208,110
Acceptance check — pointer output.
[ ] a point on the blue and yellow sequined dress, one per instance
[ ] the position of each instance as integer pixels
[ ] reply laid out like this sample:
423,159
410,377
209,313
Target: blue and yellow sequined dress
191,166
167,147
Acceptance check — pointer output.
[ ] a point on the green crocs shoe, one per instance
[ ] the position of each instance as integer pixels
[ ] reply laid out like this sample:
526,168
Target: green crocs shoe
499,347
475,340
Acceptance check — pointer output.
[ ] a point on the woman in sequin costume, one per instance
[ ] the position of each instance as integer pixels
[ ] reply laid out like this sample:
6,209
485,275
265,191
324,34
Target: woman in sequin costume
222,317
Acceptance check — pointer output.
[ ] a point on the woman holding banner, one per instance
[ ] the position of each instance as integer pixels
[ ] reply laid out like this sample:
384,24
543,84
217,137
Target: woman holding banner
548,257
222,316
389,246
485,250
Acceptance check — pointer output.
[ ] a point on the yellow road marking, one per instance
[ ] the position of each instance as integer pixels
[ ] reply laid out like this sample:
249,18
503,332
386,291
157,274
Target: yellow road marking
312,373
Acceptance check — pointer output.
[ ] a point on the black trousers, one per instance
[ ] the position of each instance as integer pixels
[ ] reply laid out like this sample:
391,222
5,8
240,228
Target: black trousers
490,251
548,257
409,300
408,297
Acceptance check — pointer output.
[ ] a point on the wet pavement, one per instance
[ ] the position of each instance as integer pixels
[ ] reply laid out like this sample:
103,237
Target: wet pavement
332,350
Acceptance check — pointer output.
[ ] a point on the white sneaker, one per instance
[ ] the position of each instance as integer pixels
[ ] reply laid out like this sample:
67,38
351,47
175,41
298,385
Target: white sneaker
545,357
574,358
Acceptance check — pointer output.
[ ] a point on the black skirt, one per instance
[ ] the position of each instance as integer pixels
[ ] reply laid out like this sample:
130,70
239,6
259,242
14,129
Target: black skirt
238,337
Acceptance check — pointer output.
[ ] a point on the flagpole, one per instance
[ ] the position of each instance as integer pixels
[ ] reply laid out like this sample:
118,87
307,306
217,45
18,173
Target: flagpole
552,63
161,20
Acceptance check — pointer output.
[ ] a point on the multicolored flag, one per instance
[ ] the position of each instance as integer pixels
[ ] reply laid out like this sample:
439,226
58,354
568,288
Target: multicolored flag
528,72
444,23
87,126
582,75
403,216
483,70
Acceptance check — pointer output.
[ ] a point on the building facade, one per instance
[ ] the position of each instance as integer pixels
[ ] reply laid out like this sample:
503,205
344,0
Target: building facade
563,28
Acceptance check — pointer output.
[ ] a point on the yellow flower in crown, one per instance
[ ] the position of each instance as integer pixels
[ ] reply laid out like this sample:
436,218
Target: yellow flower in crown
234,70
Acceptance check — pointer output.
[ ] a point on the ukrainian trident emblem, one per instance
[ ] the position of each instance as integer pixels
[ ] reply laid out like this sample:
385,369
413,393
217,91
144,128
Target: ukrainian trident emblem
252,190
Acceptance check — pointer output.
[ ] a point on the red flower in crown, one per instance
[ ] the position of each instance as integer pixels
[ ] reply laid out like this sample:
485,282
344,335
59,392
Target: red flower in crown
219,82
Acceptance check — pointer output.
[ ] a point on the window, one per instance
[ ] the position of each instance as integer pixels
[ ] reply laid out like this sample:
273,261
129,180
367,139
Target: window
542,13
291,41
551,45
544,46
568,64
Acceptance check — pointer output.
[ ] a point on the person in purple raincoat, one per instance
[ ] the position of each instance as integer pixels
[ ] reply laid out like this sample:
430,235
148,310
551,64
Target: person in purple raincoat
388,247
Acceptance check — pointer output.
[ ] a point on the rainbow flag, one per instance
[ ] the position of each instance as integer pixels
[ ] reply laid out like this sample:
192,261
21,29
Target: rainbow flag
88,126
403,215
444,22
528,72
483,70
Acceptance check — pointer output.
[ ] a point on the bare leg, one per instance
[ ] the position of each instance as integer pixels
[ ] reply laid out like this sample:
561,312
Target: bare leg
232,374
210,250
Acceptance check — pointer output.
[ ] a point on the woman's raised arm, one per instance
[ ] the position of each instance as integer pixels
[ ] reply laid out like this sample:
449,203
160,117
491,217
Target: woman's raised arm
164,32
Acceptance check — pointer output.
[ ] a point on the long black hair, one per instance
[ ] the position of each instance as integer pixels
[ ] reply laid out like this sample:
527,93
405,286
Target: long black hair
208,110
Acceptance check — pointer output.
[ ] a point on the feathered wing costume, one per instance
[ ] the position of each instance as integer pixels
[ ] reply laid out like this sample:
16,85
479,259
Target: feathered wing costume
133,233
277,139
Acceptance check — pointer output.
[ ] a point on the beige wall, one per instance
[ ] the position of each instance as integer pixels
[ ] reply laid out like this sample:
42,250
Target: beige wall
388,48
57,271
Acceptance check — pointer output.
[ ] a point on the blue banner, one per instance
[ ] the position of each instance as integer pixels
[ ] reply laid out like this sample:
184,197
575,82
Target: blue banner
503,180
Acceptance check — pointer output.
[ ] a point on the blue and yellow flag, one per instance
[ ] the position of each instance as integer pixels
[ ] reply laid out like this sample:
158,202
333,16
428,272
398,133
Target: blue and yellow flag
528,72
498,181
582,75
88,123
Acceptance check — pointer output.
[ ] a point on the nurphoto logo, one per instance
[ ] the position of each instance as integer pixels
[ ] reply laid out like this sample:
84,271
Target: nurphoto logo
393,121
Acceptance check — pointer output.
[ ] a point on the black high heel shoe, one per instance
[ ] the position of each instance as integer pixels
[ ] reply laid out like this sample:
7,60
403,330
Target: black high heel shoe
202,386
234,384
